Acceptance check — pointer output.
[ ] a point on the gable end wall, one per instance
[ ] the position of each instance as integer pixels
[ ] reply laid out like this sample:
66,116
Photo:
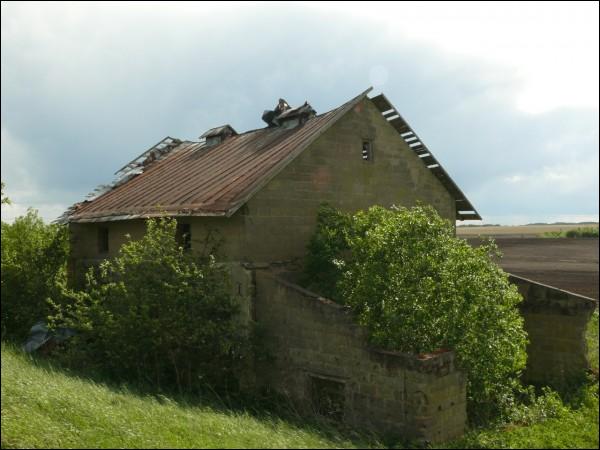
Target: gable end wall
280,218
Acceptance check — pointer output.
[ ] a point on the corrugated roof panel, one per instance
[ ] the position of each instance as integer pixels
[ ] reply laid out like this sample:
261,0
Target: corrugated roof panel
195,179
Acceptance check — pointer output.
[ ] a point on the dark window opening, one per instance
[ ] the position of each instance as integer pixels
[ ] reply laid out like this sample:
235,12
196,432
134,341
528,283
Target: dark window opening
328,397
184,235
103,240
367,151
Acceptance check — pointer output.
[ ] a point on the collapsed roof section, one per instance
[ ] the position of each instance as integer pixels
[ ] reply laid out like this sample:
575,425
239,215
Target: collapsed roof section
284,114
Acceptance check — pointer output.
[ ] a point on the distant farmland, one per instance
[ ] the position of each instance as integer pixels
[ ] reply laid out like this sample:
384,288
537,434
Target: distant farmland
569,264
525,231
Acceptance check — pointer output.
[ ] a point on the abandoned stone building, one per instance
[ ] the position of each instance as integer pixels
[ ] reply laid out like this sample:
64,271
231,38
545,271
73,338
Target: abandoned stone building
260,191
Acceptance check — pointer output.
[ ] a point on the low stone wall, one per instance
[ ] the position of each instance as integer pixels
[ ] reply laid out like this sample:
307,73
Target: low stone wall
556,322
322,361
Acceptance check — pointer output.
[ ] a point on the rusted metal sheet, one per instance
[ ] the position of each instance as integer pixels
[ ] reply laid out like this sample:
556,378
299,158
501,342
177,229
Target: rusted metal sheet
199,180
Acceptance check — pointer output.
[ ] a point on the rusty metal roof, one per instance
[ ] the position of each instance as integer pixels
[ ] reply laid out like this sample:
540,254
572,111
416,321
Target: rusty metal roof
194,179
198,180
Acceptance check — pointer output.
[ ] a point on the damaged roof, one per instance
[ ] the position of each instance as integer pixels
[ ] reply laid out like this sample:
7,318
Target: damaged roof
185,178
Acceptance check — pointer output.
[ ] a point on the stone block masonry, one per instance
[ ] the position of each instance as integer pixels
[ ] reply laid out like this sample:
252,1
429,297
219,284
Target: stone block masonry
556,323
323,363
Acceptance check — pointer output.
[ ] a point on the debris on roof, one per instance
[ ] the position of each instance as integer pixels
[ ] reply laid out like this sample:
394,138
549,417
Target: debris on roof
284,112
269,116
130,170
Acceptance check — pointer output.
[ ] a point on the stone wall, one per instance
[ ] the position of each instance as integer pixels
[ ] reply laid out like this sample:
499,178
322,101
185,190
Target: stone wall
556,322
279,220
322,362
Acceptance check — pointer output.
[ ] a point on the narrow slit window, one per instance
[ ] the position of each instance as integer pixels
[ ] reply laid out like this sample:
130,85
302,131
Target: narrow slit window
367,151
103,240
184,235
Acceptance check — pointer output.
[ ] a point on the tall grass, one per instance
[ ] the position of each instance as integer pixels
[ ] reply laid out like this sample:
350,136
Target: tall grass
45,407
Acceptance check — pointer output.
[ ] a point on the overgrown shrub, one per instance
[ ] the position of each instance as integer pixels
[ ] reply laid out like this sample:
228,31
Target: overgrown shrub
418,288
583,232
156,314
34,256
326,245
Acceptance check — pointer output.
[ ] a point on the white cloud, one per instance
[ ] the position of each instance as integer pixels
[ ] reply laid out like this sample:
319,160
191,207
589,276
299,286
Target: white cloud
568,177
552,47
86,88
48,212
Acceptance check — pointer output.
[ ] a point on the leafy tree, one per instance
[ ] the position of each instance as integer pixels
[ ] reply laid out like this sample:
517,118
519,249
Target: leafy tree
156,314
326,245
418,288
5,199
34,258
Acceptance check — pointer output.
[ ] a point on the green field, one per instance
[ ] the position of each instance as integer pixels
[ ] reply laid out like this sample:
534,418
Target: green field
46,407
518,230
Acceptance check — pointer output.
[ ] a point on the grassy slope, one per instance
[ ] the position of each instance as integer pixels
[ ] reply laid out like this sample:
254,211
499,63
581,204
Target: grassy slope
42,407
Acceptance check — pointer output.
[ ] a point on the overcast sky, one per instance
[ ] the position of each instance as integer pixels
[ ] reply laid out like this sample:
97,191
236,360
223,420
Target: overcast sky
505,95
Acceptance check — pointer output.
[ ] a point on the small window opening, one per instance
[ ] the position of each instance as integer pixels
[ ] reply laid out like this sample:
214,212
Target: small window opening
213,140
367,151
184,235
328,397
103,240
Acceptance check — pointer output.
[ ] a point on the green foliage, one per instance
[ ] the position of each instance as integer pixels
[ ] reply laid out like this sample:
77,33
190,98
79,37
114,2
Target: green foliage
325,246
156,314
5,199
34,257
546,422
583,232
418,288
591,336
580,232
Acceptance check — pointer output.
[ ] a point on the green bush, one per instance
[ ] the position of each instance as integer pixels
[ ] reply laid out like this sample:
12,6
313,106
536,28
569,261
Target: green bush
583,232
156,314
418,288
34,256
580,232
326,245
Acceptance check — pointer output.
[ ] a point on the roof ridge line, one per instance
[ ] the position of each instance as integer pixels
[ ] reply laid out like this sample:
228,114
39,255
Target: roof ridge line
339,112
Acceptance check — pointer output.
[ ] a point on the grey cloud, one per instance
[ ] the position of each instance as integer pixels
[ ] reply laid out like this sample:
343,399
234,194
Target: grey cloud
89,89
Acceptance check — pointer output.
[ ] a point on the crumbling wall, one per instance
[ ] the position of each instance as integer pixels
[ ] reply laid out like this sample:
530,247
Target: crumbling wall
323,363
556,322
